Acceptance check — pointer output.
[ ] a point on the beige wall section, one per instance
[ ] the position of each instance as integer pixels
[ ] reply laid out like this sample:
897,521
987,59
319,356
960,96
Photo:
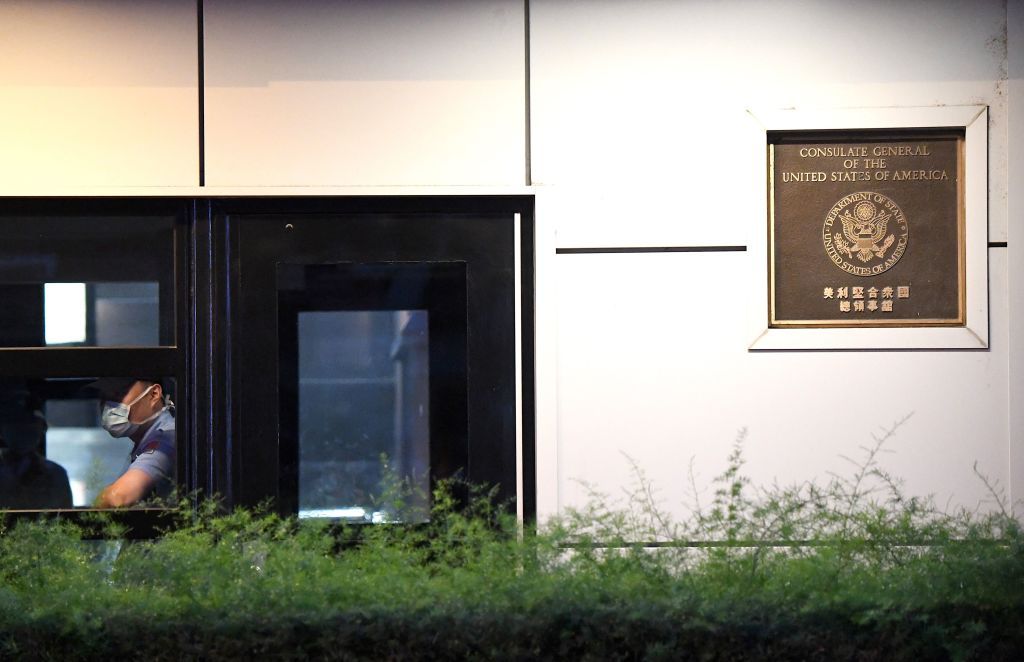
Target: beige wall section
638,107
98,94
652,363
409,92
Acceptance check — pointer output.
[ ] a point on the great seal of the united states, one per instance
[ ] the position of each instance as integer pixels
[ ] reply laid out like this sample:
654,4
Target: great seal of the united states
871,237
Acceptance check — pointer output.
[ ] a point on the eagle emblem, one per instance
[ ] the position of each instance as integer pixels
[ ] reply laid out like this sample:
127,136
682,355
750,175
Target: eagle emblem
863,230
871,235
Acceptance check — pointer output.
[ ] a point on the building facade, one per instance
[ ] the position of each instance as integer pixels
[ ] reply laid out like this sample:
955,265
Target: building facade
626,129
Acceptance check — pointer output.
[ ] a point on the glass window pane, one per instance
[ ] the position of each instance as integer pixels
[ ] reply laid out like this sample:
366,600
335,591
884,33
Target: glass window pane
56,450
372,383
89,281
364,412
89,314
125,314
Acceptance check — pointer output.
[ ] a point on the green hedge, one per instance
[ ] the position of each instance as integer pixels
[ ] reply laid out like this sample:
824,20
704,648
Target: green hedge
851,570
554,631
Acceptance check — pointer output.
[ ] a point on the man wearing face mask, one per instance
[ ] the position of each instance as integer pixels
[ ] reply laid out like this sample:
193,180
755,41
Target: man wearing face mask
138,409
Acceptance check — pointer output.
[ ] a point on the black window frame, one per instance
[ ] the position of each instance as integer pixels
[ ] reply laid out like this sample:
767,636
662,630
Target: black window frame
81,361
206,296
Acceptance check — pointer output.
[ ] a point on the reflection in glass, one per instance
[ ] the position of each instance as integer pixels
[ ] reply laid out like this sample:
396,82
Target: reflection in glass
69,445
363,395
28,480
125,314
87,281
82,314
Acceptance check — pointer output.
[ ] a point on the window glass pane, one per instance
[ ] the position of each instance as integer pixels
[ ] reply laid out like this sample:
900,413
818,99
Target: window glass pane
372,383
125,314
363,397
58,448
88,314
89,281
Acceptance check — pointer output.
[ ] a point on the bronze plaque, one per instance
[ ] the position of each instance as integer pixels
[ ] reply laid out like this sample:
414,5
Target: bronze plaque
866,228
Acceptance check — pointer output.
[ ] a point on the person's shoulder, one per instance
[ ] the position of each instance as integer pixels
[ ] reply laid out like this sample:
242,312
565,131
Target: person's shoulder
165,423
162,437
54,469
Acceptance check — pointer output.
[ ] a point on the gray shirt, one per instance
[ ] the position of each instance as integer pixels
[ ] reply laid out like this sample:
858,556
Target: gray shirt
155,454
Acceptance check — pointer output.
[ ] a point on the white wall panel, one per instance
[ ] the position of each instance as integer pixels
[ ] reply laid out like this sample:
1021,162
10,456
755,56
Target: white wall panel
638,107
98,93
1015,220
361,92
651,363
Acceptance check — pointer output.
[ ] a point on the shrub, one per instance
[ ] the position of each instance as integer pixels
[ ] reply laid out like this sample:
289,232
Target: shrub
852,569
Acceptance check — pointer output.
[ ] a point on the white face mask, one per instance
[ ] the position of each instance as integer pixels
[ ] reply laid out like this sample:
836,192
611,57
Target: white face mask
115,416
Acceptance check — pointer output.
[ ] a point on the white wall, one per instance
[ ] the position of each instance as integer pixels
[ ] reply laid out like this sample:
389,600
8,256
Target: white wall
98,94
652,363
638,119
637,107
1015,216
409,92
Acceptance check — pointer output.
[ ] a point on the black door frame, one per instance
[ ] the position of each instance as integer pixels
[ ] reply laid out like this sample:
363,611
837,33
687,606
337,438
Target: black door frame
221,468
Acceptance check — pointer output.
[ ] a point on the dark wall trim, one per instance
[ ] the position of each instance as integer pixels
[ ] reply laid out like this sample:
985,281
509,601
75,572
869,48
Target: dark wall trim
679,249
651,249
202,93
528,137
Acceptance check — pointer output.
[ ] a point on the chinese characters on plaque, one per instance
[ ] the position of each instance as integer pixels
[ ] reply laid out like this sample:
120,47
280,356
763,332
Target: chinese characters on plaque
860,220
857,299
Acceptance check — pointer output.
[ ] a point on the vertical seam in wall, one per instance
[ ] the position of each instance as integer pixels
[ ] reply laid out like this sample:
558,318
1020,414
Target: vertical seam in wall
202,93
528,136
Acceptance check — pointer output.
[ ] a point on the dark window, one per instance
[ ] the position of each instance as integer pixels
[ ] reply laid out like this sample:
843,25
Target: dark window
55,453
91,291
317,349
91,280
